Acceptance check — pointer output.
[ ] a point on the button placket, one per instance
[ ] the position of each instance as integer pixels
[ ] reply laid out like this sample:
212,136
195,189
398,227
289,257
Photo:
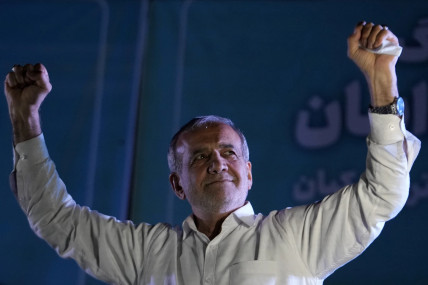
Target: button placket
210,263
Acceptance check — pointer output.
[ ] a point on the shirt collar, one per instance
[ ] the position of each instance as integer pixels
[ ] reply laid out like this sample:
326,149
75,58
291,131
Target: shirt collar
244,215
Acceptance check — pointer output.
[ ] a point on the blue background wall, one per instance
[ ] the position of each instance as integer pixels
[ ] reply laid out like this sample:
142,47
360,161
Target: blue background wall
127,74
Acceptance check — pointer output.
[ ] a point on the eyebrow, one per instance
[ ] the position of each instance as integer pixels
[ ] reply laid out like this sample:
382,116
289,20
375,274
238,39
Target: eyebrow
222,146
227,146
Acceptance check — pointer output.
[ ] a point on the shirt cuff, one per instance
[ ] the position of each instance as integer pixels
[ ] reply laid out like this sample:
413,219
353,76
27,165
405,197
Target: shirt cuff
32,151
386,129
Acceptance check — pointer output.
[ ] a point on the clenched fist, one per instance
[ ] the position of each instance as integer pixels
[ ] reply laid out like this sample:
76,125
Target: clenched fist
379,69
25,88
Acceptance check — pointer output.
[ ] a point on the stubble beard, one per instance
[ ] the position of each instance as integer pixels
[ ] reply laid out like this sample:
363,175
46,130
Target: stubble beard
217,201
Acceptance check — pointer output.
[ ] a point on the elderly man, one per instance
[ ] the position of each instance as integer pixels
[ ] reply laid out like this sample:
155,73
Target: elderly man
223,241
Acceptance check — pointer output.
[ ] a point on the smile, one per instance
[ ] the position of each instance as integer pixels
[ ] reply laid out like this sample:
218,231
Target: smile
219,181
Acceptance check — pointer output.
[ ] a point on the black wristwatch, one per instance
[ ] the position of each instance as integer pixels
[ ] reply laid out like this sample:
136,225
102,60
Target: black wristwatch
395,108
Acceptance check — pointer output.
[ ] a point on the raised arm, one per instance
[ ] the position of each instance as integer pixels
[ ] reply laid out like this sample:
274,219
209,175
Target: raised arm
337,229
103,246
25,88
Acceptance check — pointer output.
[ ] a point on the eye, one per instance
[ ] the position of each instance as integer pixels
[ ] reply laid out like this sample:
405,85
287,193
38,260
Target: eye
230,153
200,156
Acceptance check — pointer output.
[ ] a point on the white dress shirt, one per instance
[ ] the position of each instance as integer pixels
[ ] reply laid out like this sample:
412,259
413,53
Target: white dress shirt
299,245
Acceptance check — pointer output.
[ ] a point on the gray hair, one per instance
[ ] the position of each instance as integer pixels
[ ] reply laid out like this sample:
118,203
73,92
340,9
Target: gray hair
175,162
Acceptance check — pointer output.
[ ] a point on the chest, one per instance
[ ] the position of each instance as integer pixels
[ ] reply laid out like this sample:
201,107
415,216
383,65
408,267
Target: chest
245,255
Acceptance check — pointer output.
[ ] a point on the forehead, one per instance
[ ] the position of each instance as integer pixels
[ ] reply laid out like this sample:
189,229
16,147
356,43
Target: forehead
208,136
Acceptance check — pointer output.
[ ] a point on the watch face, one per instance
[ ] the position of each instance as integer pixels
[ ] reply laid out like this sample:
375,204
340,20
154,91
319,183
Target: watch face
400,106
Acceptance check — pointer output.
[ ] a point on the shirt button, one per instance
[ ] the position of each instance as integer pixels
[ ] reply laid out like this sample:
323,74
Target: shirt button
391,127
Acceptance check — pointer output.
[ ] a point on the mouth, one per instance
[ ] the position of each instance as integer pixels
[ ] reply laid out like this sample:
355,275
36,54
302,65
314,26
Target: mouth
219,181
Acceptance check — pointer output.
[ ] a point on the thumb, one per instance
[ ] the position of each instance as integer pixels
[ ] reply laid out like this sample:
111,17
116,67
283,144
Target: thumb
9,83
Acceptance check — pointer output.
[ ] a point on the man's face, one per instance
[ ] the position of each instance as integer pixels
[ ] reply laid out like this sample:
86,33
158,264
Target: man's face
215,177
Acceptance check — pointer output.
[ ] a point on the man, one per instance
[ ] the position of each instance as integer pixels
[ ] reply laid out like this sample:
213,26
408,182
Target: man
222,242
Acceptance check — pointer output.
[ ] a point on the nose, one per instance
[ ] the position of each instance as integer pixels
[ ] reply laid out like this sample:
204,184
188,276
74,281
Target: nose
217,164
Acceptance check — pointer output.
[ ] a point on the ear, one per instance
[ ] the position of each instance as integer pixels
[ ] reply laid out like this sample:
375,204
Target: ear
174,179
249,175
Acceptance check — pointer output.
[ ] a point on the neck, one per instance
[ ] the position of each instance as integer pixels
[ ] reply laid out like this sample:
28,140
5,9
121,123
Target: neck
209,223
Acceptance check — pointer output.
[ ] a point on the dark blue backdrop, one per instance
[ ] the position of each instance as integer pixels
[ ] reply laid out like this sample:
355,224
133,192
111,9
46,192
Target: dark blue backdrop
127,74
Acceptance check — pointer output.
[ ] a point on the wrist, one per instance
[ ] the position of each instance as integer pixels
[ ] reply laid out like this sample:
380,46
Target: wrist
395,108
25,127
383,88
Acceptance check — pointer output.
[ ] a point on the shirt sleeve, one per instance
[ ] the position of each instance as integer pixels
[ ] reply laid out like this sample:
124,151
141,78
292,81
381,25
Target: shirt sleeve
331,232
103,246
